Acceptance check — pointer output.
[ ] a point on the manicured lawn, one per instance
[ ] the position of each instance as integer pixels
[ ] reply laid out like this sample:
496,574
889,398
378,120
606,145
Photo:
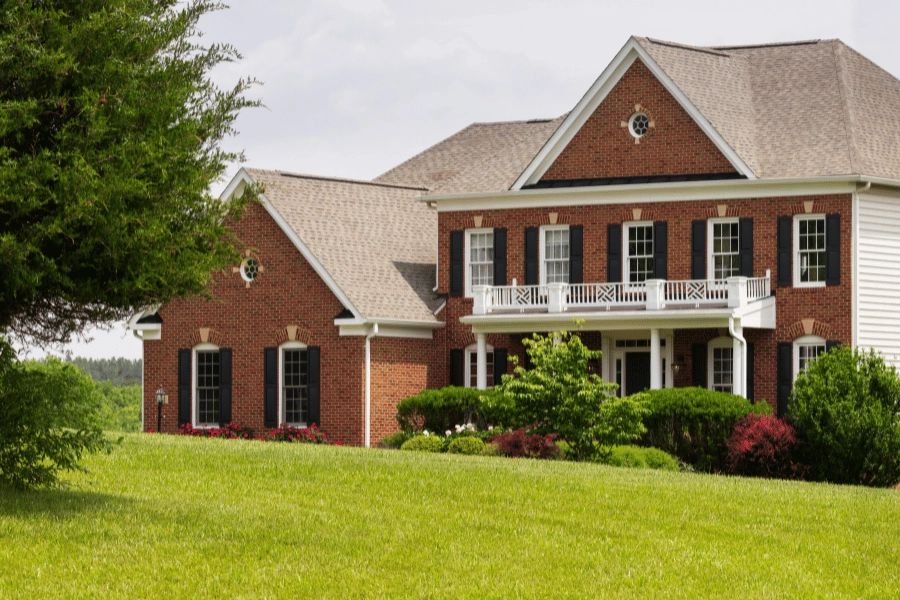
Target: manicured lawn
170,517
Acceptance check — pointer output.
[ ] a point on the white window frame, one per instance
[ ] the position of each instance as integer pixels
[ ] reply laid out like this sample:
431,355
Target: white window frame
796,248
721,342
282,405
467,251
807,341
195,401
710,238
542,251
469,354
626,262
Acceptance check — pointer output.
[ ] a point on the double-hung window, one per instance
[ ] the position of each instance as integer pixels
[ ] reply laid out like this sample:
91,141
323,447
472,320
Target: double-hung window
721,364
555,254
639,252
809,250
479,258
294,384
207,385
807,349
471,378
725,249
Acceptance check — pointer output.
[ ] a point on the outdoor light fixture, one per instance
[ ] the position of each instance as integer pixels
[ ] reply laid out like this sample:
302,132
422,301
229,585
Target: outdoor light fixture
161,398
677,364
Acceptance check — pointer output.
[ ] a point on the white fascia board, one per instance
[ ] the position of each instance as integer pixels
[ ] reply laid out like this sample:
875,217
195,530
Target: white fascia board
727,189
598,92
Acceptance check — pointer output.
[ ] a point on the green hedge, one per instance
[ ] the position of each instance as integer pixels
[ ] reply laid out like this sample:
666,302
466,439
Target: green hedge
636,457
424,443
694,423
443,409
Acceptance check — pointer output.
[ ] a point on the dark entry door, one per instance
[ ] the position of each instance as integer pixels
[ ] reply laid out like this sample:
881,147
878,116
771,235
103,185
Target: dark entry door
637,372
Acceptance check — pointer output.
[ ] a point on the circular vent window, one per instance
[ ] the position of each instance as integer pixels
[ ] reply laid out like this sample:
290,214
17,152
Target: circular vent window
249,269
638,124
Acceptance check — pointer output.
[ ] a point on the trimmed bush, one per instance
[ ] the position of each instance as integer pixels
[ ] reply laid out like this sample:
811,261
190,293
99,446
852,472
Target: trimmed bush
424,443
846,407
465,445
519,444
636,457
395,440
765,446
694,423
442,409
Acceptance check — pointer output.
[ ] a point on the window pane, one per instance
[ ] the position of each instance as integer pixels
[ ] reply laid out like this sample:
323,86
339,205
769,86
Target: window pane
811,249
726,258
481,258
295,386
207,387
473,369
722,369
556,255
808,353
640,253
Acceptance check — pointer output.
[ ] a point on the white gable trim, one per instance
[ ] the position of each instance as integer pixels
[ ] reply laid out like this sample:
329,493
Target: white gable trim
241,179
597,94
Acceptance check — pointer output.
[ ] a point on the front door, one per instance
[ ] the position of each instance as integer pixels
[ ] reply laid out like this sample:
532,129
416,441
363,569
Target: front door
637,372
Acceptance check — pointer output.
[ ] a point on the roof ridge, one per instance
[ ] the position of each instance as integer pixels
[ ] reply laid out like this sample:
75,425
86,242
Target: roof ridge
704,49
344,180
770,45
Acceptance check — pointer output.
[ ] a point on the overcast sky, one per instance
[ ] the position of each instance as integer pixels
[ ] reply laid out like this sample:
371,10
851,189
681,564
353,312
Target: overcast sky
354,87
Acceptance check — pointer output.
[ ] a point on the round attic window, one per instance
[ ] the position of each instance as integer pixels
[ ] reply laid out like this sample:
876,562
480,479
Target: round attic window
249,269
638,124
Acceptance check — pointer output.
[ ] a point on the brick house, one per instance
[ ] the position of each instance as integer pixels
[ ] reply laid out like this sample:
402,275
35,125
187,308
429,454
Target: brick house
710,216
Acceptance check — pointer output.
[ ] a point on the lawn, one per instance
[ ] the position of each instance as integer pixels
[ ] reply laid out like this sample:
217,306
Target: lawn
172,517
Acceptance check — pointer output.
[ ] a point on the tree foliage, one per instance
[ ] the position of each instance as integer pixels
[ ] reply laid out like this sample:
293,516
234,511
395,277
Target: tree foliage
559,395
846,406
110,136
120,406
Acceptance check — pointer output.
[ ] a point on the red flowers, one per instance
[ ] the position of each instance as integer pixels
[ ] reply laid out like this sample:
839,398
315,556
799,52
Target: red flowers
231,431
303,435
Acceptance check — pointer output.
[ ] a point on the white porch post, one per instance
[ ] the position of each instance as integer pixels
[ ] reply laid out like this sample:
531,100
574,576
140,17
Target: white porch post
655,361
481,365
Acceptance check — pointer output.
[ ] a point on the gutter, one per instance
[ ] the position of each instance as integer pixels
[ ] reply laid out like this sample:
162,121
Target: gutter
373,333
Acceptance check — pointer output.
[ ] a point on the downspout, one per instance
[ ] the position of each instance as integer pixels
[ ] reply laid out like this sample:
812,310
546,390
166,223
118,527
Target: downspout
369,337
743,342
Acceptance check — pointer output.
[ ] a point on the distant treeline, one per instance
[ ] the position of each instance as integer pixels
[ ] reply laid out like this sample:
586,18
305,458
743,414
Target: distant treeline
118,371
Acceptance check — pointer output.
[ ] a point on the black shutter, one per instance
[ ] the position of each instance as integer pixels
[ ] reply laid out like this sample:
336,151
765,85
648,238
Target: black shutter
660,250
313,356
532,274
831,344
785,260
832,249
785,375
500,362
698,365
270,381
746,246
576,254
184,386
499,257
224,386
698,249
751,379
614,252
456,263
457,368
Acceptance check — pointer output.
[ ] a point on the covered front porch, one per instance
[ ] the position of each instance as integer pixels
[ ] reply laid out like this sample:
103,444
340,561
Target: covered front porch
637,324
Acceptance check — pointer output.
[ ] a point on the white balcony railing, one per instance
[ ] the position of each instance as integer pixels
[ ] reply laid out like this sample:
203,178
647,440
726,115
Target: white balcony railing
653,294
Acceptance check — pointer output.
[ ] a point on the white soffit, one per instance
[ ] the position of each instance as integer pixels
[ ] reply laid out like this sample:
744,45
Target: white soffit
597,94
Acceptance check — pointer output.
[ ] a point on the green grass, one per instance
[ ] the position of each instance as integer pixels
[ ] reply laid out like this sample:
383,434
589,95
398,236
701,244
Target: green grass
170,517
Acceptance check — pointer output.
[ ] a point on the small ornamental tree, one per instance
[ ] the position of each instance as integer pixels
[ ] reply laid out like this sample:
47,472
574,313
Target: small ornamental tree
846,407
560,396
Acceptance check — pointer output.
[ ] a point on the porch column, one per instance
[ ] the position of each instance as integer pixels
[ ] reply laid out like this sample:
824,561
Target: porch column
481,364
655,361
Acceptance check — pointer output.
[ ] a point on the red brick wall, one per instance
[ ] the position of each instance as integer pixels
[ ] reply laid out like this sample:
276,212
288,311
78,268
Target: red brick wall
603,148
830,307
248,319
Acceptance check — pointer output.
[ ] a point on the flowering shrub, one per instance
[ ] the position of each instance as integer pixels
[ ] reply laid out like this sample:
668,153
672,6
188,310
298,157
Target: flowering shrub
232,431
518,444
302,435
765,446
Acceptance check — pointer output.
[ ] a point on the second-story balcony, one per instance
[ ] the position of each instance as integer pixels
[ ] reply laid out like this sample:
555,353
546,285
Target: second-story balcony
650,295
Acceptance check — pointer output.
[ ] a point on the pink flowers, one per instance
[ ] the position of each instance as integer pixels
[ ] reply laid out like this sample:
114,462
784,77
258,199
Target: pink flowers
303,435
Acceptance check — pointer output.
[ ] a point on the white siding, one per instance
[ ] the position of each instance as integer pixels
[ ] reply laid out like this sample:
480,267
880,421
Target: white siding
878,308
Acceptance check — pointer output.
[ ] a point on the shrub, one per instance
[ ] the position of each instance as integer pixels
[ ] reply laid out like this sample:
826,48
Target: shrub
561,397
636,457
441,409
765,446
694,423
519,444
491,450
299,435
424,443
48,420
846,407
395,440
465,445
231,431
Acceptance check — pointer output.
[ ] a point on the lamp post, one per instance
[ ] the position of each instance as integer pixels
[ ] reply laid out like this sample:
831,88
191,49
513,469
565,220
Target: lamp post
161,398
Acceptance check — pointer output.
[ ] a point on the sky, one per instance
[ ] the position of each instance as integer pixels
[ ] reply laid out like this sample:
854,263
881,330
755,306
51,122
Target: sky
354,87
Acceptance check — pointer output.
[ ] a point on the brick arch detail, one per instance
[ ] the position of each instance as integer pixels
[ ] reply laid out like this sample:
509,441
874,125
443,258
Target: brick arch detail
206,335
293,333
809,327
